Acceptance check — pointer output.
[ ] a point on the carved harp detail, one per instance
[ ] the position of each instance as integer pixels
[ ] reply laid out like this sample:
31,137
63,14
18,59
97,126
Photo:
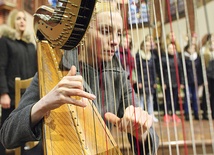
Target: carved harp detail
66,130
65,26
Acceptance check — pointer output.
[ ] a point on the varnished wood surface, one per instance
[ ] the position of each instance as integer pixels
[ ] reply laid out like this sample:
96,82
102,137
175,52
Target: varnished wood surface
172,139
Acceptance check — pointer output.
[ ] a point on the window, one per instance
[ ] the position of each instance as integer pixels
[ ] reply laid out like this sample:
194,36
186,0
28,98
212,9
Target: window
180,8
138,13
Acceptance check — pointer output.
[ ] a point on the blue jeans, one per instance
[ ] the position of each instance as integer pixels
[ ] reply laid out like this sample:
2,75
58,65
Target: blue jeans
168,99
149,102
193,100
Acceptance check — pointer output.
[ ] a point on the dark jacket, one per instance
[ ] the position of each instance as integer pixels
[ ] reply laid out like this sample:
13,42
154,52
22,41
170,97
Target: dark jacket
24,132
196,63
126,60
146,73
18,58
210,69
174,64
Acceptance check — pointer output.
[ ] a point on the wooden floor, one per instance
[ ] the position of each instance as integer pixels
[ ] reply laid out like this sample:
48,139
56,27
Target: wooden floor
185,138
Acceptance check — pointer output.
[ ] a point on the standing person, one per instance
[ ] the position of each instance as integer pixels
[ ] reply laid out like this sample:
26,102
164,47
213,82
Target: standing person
171,39
126,58
18,58
156,62
208,52
171,81
146,77
102,37
193,62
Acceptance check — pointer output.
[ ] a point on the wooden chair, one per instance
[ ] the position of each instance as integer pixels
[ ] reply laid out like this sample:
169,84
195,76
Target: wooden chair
19,86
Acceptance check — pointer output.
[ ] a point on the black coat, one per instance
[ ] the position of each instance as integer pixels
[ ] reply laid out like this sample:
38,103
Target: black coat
17,59
190,72
144,75
174,64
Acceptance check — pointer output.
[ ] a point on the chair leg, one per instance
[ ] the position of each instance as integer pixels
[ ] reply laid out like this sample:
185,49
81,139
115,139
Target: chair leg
18,151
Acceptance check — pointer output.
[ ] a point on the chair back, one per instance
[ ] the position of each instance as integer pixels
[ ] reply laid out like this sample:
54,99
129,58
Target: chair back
19,86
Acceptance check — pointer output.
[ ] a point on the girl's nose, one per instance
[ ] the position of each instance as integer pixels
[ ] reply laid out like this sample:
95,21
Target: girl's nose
115,40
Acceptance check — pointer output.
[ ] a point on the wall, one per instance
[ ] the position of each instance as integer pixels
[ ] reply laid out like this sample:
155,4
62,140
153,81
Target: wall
179,27
30,26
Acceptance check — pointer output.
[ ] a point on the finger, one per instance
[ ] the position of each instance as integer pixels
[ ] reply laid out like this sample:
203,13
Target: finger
112,118
83,102
72,71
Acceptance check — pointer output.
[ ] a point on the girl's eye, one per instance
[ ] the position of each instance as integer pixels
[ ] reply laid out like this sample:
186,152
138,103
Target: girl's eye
105,31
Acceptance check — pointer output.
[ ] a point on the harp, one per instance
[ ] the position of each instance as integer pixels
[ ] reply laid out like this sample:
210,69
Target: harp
176,137
192,133
66,130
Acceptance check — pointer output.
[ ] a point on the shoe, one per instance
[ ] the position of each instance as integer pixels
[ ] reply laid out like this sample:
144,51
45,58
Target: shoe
176,118
204,116
167,118
187,117
196,117
155,119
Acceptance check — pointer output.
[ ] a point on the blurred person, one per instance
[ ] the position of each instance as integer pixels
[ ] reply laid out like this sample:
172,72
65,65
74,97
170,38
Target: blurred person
18,58
208,53
102,37
192,59
126,58
146,77
170,80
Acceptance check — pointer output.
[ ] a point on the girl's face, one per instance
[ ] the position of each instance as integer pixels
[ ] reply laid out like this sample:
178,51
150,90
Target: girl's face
171,49
212,38
104,36
191,49
126,41
172,36
20,22
151,40
148,46
212,46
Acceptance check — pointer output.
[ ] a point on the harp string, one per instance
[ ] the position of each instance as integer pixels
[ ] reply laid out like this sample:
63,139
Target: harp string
178,73
145,96
161,73
95,63
126,80
196,90
101,73
129,61
151,4
206,89
187,95
191,41
123,12
162,77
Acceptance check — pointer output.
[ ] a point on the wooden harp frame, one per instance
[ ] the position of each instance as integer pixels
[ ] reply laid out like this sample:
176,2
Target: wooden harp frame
65,129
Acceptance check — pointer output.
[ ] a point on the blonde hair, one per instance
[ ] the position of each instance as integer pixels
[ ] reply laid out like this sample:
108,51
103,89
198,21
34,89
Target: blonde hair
12,17
105,6
11,23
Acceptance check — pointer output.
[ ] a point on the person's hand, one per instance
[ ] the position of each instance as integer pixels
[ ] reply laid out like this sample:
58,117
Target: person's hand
135,121
164,86
68,91
140,85
5,101
182,86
